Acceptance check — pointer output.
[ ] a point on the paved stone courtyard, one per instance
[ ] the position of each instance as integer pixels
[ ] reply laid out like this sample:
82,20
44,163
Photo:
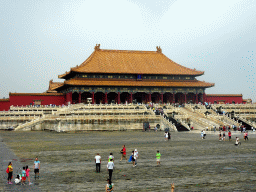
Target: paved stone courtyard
192,164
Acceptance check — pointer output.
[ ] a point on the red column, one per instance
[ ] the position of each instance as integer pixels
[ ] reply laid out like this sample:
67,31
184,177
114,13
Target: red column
173,98
92,97
106,98
149,97
79,97
162,97
130,97
67,98
118,98
196,98
185,94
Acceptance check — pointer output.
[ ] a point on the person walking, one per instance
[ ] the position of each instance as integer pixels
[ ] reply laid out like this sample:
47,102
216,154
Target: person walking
110,168
166,136
202,134
158,156
229,135
223,136
110,157
36,167
133,159
9,171
220,136
123,151
98,162
246,136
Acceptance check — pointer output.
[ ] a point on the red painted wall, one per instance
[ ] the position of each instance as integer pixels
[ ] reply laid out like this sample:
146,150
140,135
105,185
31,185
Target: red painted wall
26,99
4,105
45,100
226,99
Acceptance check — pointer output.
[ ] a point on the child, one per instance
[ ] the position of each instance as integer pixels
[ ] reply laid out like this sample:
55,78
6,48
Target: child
110,157
27,175
158,155
23,176
17,179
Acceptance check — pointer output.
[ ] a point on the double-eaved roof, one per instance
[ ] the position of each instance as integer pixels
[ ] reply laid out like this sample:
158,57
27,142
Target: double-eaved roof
103,61
131,62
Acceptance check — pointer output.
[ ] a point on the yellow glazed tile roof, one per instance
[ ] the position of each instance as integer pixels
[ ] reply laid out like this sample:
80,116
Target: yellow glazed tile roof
53,86
131,62
143,83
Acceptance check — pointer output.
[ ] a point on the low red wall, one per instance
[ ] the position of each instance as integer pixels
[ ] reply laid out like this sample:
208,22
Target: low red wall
4,104
19,99
224,99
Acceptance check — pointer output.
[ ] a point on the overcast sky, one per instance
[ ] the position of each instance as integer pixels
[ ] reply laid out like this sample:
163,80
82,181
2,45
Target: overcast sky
41,39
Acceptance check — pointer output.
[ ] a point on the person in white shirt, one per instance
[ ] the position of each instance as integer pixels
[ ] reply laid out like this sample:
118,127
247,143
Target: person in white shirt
136,156
110,167
98,162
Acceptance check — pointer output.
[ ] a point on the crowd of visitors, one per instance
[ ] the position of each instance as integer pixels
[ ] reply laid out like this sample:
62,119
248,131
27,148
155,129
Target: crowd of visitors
24,174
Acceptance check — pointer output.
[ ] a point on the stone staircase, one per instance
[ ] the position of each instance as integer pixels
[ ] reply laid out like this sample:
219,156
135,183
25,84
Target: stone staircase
30,125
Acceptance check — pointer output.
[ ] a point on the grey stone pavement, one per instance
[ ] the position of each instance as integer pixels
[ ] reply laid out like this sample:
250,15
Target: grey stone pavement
6,155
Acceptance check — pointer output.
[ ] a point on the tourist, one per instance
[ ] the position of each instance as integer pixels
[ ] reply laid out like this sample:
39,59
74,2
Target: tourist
23,176
98,162
166,136
110,157
109,186
158,156
136,155
133,159
237,142
202,134
169,135
17,180
223,136
220,136
246,135
36,168
123,151
27,175
229,135
110,167
9,171
172,185
155,128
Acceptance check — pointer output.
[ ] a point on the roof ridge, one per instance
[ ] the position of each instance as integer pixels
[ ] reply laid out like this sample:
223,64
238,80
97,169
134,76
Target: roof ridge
116,50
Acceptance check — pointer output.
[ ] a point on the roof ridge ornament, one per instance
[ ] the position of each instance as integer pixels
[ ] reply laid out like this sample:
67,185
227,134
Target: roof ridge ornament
158,49
97,47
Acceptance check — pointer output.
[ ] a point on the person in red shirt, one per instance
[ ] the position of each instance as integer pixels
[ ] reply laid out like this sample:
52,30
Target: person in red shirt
123,151
229,135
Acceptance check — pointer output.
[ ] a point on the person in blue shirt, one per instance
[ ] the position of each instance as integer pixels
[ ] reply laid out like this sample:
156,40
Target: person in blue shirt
36,168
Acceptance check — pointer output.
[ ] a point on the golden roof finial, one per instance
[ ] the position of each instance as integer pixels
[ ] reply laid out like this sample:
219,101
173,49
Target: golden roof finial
158,49
97,47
